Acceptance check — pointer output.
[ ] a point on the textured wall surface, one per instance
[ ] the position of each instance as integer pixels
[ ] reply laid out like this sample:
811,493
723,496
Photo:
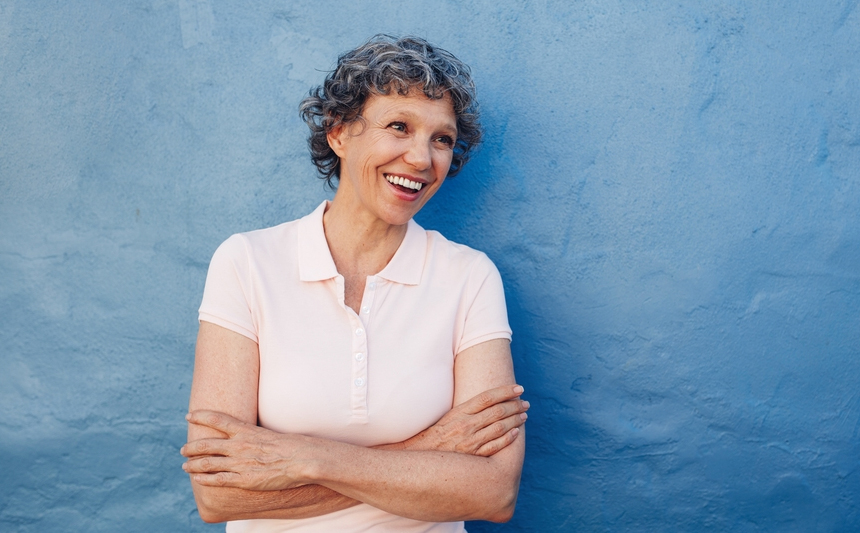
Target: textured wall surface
671,191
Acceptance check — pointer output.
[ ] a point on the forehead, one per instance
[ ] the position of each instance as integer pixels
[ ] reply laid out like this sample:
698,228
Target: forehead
438,113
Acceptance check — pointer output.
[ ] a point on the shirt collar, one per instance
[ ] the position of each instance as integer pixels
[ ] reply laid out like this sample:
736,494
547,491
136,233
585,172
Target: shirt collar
316,263
407,265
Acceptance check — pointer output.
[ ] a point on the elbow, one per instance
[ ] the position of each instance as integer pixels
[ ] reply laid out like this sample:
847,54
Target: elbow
502,501
208,516
498,506
504,509
504,515
208,505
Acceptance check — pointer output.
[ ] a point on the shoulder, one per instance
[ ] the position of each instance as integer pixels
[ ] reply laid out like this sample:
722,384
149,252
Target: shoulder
275,235
456,256
481,310
275,241
258,242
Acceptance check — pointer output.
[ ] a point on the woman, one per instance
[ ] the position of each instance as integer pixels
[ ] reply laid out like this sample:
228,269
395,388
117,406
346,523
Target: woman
332,348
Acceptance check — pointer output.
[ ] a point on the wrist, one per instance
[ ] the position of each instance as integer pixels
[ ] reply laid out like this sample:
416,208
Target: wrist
315,460
394,446
424,441
302,459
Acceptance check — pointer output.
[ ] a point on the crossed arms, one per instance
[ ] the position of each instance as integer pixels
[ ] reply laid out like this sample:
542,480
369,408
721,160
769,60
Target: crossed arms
466,466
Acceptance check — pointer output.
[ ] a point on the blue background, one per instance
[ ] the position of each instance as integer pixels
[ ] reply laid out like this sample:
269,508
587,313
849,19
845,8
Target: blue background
671,190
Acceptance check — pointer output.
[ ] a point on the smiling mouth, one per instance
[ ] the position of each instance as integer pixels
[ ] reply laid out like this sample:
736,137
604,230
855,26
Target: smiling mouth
404,184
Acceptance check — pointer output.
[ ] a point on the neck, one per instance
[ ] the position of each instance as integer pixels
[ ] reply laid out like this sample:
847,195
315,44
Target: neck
360,243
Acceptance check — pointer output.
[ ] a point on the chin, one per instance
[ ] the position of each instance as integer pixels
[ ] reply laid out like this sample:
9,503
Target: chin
399,217
398,220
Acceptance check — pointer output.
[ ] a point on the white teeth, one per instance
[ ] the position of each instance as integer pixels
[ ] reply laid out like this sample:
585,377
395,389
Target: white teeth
400,180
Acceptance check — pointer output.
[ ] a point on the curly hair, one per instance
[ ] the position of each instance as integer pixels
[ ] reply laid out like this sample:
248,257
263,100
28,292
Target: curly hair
379,66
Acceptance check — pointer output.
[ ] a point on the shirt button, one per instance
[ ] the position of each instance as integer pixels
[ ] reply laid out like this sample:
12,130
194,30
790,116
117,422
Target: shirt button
365,309
359,356
359,332
359,382
372,285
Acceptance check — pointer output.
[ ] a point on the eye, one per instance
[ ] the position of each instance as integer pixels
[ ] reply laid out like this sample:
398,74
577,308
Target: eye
447,140
397,126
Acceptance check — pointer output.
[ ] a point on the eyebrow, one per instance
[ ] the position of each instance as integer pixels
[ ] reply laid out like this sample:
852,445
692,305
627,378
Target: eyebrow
447,127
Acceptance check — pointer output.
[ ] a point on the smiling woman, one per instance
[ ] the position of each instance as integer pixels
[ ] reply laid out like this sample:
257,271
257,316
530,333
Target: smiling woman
353,370
397,157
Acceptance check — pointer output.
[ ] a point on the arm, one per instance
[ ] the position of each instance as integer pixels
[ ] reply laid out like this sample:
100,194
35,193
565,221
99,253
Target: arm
436,486
226,373
424,485
226,379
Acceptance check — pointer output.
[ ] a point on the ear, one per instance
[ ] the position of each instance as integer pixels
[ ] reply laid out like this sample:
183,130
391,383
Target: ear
336,138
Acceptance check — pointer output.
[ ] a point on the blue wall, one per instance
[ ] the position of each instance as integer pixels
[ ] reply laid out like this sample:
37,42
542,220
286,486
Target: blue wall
671,191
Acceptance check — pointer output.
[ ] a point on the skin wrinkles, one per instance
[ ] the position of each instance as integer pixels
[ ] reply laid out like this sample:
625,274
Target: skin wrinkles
466,466
410,136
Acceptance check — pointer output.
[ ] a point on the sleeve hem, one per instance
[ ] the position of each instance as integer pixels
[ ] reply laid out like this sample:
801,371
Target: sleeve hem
206,317
483,338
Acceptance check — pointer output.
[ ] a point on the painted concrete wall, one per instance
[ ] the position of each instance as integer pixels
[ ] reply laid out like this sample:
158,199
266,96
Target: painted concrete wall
670,190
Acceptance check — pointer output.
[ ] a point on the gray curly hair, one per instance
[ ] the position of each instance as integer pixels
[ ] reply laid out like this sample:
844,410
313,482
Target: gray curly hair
379,66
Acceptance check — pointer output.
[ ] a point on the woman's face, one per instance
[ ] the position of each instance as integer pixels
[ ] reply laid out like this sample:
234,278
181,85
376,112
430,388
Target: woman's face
397,157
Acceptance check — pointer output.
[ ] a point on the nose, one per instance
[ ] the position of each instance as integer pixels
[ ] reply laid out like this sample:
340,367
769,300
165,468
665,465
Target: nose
418,155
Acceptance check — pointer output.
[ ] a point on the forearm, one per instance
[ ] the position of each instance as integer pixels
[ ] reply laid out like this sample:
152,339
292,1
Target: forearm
423,485
220,504
434,485
466,466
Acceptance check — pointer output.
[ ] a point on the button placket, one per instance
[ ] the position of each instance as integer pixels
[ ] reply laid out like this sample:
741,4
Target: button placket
359,370
371,288
360,353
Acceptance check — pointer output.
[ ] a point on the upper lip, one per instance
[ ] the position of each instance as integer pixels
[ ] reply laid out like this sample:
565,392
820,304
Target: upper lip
407,176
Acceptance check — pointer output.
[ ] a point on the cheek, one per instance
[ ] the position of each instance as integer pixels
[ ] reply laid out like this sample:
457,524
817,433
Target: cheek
367,167
432,192
442,162
361,162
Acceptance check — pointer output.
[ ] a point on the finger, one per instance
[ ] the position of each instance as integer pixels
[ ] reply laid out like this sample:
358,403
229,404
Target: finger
496,445
492,438
499,428
208,465
501,411
205,447
220,479
216,420
490,397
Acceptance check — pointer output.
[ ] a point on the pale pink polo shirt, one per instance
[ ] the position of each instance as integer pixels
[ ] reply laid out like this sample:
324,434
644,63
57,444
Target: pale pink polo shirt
376,377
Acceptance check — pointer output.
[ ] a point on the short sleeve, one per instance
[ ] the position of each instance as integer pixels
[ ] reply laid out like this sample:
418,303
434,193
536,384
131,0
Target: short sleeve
227,296
486,316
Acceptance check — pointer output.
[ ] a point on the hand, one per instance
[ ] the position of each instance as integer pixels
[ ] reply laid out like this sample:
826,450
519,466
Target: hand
250,457
483,425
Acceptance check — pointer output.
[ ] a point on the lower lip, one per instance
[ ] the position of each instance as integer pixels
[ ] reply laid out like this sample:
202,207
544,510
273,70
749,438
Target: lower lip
405,196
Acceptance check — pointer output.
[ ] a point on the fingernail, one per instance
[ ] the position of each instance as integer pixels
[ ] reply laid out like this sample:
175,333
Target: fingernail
188,416
526,404
518,389
523,417
515,432
184,466
182,450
